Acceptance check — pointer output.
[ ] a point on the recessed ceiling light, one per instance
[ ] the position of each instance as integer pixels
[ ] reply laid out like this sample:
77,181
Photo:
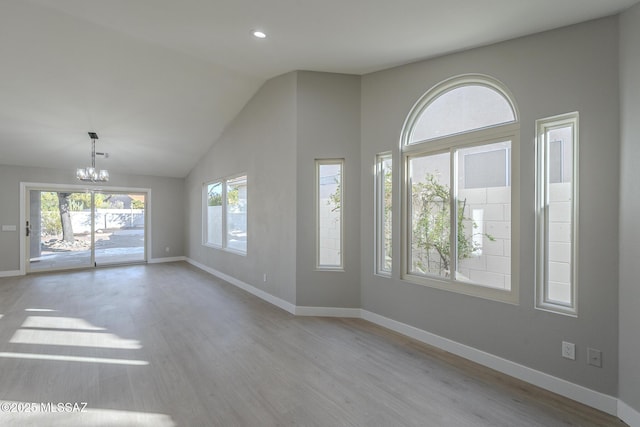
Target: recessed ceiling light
258,34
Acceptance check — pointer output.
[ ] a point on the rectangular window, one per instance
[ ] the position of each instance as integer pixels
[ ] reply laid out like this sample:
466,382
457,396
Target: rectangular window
557,208
225,224
459,218
329,198
383,213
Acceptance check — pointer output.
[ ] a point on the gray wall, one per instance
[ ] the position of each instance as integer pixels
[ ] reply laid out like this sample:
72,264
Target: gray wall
291,121
167,211
629,206
571,69
261,143
328,127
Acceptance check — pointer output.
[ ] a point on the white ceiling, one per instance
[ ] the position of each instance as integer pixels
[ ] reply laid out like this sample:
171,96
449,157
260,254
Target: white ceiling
160,79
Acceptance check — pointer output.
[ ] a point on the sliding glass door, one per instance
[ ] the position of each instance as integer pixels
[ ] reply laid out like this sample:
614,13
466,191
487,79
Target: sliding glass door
119,228
69,229
59,229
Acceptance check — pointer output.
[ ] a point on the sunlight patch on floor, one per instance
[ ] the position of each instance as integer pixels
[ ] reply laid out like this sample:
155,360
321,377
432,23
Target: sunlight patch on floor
73,338
65,358
51,322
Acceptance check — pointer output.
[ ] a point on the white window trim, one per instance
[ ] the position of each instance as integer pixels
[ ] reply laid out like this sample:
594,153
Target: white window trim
205,222
542,126
321,162
379,214
487,135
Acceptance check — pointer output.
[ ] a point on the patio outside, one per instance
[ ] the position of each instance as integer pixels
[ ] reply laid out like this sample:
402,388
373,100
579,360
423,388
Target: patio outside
119,230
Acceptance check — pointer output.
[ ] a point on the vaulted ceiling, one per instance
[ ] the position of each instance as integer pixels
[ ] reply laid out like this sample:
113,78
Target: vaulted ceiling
160,79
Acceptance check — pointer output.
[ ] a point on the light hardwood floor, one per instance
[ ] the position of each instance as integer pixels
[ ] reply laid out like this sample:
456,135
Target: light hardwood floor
165,345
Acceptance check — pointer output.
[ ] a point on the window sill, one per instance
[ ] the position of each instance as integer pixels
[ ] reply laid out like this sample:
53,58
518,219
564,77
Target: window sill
479,291
557,309
385,274
230,250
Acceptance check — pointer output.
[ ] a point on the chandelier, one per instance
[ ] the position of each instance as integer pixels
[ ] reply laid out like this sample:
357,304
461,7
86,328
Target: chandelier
90,173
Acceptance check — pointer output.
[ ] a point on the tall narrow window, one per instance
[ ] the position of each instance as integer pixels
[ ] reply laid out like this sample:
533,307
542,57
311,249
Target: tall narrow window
557,205
214,214
225,214
329,207
459,142
237,214
383,213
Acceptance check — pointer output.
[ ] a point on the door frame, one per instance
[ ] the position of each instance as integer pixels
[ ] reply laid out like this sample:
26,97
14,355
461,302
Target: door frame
25,187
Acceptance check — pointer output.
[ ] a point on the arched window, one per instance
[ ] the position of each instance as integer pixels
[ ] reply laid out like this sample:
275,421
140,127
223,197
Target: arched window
459,105
459,143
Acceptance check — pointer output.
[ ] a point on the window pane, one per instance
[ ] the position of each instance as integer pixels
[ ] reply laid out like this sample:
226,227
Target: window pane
214,214
484,215
237,214
329,201
559,214
384,214
429,178
462,109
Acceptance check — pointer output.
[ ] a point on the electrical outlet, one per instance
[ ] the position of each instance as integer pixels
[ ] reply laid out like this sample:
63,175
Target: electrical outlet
568,350
167,249
264,278
594,357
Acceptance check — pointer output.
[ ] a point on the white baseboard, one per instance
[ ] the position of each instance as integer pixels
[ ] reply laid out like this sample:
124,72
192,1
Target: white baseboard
600,401
328,312
168,259
11,273
556,385
627,414
278,302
